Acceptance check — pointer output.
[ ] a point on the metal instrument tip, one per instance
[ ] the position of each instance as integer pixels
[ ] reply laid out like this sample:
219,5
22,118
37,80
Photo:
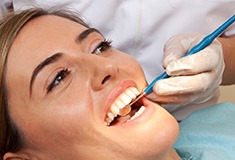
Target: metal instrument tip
127,109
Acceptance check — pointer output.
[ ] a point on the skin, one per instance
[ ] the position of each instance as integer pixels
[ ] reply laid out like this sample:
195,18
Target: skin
68,121
228,45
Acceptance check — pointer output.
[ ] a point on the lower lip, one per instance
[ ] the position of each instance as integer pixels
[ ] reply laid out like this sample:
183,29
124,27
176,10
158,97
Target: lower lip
148,112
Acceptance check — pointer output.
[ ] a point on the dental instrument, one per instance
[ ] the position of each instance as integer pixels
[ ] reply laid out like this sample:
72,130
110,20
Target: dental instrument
201,45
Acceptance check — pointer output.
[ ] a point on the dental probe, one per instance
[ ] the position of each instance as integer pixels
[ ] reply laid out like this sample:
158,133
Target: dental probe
201,45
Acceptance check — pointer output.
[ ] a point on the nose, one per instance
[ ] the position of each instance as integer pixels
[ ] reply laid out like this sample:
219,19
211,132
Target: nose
102,71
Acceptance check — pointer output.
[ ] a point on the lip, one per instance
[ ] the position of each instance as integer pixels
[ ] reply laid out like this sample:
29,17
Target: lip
120,88
151,108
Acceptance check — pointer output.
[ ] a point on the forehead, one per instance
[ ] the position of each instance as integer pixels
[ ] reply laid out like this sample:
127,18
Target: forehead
42,33
39,39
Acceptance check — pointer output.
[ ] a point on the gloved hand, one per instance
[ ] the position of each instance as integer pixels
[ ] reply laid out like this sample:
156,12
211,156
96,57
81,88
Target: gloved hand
195,78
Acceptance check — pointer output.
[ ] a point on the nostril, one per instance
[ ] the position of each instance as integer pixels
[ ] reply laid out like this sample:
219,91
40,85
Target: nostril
105,79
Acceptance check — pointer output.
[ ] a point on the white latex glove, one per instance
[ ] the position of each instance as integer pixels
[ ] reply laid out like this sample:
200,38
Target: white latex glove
195,78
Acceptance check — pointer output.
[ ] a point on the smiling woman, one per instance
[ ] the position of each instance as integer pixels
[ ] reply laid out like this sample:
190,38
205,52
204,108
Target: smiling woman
62,87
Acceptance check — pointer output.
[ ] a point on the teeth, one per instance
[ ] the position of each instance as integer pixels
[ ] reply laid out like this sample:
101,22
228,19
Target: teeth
120,104
114,109
137,114
125,99
121,101
111,115
136,92
130,93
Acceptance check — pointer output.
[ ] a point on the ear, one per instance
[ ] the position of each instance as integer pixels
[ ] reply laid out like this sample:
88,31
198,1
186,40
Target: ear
15,156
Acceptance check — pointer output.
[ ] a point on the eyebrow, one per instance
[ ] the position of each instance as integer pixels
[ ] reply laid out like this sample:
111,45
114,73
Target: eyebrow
85,33
57,56
52,59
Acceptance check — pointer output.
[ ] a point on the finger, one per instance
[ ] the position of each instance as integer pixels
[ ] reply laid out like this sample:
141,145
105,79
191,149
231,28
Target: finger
176,47
205,60
171,99
182,99
185,84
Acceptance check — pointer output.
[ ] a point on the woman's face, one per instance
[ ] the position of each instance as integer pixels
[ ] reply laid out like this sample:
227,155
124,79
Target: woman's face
64,80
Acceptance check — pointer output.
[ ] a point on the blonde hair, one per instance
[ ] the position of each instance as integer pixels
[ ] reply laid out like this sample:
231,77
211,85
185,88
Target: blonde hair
11,138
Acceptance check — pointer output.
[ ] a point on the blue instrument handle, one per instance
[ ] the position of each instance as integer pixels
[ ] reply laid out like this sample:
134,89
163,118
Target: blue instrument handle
204,43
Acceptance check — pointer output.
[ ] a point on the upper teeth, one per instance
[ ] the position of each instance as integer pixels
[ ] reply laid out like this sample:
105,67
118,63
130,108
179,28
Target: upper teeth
122,100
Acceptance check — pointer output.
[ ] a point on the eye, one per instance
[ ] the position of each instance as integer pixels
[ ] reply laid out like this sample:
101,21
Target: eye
102,46
60,76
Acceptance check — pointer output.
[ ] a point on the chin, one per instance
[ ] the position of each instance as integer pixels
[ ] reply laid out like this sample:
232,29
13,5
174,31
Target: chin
160,134
151,134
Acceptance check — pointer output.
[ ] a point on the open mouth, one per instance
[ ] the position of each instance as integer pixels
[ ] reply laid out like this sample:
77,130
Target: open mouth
112,117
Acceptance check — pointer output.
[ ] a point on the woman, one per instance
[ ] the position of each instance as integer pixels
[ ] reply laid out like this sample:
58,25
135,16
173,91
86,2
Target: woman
62,88
142,28
61,85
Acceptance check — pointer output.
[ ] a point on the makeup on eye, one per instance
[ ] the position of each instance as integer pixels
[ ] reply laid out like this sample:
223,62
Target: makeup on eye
59,77
102,46
64,72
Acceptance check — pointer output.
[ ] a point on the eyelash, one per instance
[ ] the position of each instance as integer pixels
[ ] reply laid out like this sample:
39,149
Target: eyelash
102,47
60,76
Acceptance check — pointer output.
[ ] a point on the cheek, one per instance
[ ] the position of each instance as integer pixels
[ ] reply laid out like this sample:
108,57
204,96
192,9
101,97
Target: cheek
130,65
52,124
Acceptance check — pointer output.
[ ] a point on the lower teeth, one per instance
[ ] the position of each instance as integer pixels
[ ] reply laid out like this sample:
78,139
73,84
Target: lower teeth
138,113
